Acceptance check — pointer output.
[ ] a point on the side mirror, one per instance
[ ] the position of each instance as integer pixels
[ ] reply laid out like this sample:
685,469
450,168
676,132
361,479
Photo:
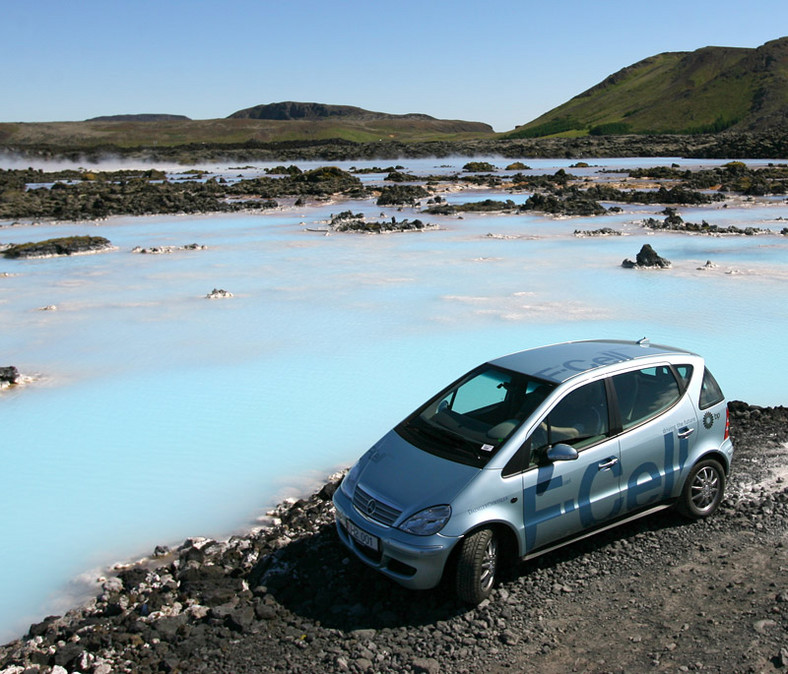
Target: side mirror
561,452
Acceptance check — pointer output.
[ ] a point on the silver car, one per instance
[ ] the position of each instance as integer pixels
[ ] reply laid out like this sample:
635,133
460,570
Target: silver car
532,451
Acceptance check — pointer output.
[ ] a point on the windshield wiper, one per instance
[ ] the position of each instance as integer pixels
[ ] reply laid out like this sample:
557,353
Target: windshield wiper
444,437
460,442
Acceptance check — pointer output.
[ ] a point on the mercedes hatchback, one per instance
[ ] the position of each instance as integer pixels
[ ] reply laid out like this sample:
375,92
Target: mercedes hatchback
532,451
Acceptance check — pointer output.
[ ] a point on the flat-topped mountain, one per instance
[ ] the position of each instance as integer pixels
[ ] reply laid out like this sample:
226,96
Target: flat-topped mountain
294,111
145,117
705,91
291,110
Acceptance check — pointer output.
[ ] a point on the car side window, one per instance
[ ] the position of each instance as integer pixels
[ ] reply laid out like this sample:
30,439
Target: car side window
644,394
710,392
580,419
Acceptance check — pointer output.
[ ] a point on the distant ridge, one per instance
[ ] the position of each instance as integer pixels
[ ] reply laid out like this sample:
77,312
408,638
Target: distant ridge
151,117
705,91
292,110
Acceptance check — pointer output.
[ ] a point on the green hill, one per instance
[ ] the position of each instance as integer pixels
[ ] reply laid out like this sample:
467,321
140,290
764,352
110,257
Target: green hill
704,91
276,122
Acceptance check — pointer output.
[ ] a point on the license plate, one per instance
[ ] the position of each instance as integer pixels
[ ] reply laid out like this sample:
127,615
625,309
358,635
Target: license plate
362,537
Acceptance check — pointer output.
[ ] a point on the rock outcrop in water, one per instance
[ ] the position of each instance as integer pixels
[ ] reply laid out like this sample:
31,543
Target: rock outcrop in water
218,294
80,195
675,223
647,258
166,250
568,201
8,375
347,221
401,195
54,247
602,231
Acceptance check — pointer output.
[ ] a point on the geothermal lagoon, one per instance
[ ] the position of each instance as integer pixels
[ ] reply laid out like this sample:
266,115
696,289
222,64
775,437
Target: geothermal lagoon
149,413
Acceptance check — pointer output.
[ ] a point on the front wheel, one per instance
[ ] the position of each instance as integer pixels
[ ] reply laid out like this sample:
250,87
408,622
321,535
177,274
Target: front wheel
703,490
477,566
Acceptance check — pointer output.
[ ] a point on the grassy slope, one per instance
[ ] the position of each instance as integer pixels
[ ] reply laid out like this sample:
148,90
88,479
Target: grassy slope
667,92
685,92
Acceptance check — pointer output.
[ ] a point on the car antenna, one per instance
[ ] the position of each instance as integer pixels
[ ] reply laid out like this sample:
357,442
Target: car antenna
644,341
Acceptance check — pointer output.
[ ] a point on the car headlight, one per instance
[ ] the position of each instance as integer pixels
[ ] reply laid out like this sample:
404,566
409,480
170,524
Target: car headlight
348,485
427,522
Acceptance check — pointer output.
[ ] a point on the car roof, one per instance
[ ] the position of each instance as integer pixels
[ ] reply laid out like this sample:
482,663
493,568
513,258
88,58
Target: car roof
558,363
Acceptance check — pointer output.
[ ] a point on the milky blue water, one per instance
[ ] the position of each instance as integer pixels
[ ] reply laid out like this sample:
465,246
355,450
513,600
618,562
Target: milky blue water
157,414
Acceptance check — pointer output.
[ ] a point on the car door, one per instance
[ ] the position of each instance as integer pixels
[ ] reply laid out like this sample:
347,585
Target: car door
564,497
658,426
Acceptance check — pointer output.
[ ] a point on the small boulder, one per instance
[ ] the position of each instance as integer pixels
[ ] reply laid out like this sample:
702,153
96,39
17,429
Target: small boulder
218,293
9,375
647,258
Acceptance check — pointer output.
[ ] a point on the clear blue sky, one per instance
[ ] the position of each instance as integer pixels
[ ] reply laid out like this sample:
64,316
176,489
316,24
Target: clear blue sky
503,62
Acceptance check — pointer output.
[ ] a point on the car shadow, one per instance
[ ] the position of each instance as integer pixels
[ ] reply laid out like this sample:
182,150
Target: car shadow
318,579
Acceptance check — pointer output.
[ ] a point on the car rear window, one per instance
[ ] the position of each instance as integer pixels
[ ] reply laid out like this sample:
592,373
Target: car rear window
710,391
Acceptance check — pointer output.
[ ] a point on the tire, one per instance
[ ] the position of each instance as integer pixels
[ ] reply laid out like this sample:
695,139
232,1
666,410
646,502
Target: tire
477,566
703,490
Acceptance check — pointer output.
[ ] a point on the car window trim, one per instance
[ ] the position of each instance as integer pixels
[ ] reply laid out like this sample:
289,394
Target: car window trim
642,422
616,427
701,406
521,451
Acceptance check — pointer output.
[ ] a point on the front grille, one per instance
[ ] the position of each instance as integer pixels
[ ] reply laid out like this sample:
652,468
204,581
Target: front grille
373,509
395,566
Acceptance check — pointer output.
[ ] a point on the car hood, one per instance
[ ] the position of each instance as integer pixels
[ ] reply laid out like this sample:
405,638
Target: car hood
408,478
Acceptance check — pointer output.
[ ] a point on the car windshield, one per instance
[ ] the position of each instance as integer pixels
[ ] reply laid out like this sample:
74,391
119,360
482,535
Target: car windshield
470,420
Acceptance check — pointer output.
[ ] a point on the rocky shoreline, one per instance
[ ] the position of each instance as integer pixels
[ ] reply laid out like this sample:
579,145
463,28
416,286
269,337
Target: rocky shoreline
72,195
768,145
659,593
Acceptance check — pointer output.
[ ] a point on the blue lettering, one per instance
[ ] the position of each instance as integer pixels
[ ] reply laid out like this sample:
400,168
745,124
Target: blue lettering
587,518
569,365
548,373
670,471
634,490
580,365
670,466
533,517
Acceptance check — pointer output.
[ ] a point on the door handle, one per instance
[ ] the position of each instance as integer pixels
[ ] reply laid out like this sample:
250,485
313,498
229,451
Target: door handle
685,432
608,463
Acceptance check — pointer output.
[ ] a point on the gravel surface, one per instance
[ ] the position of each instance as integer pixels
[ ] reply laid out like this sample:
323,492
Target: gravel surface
660,594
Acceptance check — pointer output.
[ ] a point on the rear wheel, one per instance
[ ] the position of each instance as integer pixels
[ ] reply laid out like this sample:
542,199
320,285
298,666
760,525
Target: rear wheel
703,490
477,566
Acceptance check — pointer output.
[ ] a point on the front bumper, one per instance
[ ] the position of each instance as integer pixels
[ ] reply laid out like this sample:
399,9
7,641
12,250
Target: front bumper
415,562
